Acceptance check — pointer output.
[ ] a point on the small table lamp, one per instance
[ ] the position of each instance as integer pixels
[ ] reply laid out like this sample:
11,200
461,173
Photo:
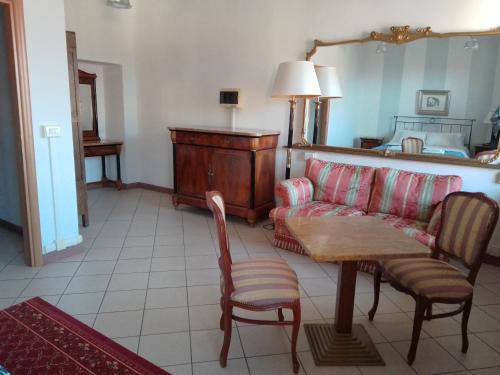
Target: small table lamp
295,79
330,89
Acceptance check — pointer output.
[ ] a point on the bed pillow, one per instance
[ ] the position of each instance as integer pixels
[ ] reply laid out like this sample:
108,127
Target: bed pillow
401,134
445,139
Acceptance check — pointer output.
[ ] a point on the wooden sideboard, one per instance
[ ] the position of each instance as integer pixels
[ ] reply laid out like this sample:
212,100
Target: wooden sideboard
239,164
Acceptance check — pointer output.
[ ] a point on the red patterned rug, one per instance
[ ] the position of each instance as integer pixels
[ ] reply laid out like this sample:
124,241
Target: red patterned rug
38,338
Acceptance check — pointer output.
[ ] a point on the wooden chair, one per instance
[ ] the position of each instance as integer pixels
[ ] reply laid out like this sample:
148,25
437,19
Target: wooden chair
255,284
412,145
467,224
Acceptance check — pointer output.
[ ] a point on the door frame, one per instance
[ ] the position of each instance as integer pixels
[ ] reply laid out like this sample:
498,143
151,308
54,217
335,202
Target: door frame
18,66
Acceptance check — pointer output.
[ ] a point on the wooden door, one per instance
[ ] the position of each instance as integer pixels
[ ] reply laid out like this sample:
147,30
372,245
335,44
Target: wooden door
232,175
81,186
192,171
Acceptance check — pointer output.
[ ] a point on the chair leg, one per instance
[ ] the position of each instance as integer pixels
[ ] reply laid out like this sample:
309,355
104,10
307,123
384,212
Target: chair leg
377,277
280,315
228,313
420,309
221,323
428,313
465,321
295,335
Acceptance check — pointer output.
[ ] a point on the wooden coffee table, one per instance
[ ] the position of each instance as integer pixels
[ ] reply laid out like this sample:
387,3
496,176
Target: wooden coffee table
348,240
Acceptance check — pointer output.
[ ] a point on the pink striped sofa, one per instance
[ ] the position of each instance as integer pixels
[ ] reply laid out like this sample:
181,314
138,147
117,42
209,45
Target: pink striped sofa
408,201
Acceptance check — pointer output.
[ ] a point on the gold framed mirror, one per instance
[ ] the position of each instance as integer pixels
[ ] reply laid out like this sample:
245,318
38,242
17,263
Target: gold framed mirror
443,88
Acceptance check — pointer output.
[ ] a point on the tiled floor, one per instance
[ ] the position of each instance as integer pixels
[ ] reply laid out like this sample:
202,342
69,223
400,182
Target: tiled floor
148,278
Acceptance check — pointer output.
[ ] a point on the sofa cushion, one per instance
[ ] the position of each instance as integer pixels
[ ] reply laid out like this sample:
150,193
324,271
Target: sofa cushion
294,191
435,220
337,183
408,194
412,228
315,208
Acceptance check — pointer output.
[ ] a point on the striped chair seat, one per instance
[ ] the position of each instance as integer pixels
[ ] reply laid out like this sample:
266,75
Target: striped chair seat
428,277
264,282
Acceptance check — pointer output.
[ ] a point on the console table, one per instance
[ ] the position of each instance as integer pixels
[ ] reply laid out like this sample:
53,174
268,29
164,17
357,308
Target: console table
240,164
103,148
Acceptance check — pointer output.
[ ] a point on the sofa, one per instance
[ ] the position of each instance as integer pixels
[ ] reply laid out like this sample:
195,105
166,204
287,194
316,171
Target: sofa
408,201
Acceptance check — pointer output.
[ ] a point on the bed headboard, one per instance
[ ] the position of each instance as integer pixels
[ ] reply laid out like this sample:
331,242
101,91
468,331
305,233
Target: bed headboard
436,124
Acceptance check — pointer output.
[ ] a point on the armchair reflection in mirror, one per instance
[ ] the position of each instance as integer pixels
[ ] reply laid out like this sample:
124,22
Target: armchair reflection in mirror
382,75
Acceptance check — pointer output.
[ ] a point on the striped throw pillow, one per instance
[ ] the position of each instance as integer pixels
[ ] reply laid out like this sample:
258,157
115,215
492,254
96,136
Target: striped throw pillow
409,194
338,183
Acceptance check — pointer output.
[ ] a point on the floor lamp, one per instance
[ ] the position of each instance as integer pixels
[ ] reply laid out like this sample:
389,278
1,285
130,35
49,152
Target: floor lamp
330,89
295,80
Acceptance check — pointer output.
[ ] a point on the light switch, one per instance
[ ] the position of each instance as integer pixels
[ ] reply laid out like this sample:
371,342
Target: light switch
51,131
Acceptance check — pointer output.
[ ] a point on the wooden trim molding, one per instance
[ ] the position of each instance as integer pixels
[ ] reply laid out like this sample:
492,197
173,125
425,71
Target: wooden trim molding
12,227
22,102
396,35
133,185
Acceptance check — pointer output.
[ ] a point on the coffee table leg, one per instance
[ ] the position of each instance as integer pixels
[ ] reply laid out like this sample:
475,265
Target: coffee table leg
342,343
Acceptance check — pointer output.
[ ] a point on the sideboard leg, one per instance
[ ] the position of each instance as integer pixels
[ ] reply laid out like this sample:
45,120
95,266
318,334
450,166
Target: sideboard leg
251,222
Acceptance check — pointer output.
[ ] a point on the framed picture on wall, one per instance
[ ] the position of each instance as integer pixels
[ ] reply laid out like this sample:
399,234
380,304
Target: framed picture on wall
433,102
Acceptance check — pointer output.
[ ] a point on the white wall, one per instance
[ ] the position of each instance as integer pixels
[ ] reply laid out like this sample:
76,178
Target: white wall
49,90
177,54
9,185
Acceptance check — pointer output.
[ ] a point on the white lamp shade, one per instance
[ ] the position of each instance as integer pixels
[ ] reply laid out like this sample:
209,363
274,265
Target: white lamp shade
296,79
328,81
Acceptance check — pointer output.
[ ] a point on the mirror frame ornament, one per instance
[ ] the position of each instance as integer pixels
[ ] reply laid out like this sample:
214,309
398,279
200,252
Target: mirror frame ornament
397,35
85,78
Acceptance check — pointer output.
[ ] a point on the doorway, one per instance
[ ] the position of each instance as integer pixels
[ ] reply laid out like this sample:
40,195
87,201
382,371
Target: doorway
19,214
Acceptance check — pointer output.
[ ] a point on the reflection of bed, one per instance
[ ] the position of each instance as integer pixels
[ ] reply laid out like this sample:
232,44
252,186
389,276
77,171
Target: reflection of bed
441,136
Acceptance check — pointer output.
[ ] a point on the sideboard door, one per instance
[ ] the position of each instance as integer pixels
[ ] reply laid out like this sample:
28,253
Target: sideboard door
232,171
192,170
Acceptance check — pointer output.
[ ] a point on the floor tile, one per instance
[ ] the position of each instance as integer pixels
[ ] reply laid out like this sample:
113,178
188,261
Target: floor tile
12,288
234,367
168,320
86,284
395,327
431,358
46,286
264,340
58,269
123,301
318,287
204,294
166,297
131,281
479,354
15,271
81,303
131,343
167,279
88,319
491,338
136,252
206,345
310,367
108,242
100,253
153,348
272,365
203,277
119,324
143,241
179,369
168,264
96,268
395,363
132,265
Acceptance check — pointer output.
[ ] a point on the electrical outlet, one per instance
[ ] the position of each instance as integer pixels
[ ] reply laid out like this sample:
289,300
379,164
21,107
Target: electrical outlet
51,131
308,155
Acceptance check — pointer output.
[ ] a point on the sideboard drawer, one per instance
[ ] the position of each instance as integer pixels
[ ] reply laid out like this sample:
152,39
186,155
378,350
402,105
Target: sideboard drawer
215,140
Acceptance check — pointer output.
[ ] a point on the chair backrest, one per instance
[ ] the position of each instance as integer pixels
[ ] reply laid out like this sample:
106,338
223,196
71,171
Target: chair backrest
412,145
215,203
467,224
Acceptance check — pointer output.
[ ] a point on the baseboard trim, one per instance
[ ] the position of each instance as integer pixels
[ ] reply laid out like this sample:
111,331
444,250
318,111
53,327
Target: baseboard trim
143,185
133,185
12,227
57,256
492,259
